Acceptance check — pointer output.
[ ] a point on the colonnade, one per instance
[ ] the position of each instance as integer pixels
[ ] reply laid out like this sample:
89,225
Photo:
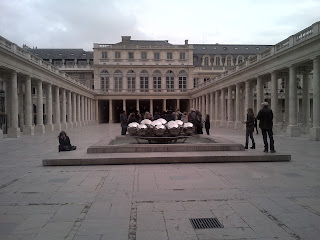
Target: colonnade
227,104
55,107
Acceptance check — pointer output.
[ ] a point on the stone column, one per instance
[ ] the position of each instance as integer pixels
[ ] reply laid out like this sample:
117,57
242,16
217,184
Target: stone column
207,103
137,105
259,93
57,121
164,105
39,127
211,107
69,119
305,128
110,111
90,111
223,122
203,105
151,107
63,109
28,128
124,105
97,111
286,101
293,129
79,123
82,111
21,107
49,125
74,109
274,103
85,105
230,123
315,130
178,104
216,109
13,130
238,123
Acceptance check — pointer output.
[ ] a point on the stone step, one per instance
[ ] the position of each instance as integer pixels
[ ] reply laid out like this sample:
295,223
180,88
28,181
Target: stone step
166,157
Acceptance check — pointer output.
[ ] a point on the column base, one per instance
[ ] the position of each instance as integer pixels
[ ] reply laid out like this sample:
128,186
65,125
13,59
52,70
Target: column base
238,125
305,128
49,127
28,130
223,124
1,134
70,125
57,126
217,123
64,126
315,133
13,132
276,129
230,124
293,131
39,129
75,124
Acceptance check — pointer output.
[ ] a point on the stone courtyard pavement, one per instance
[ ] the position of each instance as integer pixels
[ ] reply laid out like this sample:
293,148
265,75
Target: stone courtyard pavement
271,200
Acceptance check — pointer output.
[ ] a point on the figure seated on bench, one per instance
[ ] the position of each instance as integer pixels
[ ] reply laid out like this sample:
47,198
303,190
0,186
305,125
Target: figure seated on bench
64,142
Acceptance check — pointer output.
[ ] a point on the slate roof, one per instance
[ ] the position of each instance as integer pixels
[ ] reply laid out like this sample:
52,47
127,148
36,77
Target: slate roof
56,53
145,42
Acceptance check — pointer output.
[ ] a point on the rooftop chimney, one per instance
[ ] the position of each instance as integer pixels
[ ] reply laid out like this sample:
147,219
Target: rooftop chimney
186,42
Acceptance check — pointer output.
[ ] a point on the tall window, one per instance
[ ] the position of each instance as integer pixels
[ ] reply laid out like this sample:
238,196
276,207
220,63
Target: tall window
195,82
218,61
144,55
156,56
144,81
131,77
229,61
156,81
117,54
169,55
170,81
182,76
206,61
240,59
182,56
130,54
117,76
104,80
104,55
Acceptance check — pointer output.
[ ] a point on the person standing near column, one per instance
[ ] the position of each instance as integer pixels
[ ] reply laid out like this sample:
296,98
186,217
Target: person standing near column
265,116
123,122
250,128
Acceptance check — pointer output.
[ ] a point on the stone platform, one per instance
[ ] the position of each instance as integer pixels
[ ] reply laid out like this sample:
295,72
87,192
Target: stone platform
197,150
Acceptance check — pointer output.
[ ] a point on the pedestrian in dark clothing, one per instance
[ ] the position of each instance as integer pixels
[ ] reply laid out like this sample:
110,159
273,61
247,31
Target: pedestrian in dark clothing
256,125
132,118
123,122
265,116
64,142
250,128
207,124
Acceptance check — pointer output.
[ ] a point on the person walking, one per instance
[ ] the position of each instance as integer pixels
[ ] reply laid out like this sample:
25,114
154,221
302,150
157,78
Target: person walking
250,128
265,116
207,124
123,122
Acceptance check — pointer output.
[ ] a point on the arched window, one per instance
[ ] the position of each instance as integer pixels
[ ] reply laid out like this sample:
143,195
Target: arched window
240,59
156,76
229,61
206,60
104,80
218,60
131,78
182,76
144,81
170,81
117,76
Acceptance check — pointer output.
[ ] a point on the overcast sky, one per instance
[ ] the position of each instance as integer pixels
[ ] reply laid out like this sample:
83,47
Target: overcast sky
80,23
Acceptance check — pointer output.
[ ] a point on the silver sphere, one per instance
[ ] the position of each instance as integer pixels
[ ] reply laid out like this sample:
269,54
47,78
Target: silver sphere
146,122
163,121
142,130
188,128
132,128
159,130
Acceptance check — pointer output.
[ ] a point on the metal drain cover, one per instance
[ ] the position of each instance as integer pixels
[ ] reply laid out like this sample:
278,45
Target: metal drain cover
203,223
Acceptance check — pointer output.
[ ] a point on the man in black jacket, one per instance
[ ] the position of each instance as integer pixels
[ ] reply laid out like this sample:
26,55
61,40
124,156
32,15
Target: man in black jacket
265,116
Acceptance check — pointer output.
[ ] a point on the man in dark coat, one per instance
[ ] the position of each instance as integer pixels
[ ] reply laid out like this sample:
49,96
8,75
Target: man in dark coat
265,116
123,122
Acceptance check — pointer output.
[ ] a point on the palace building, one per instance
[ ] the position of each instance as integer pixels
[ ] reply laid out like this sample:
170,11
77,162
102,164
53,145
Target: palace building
76,87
